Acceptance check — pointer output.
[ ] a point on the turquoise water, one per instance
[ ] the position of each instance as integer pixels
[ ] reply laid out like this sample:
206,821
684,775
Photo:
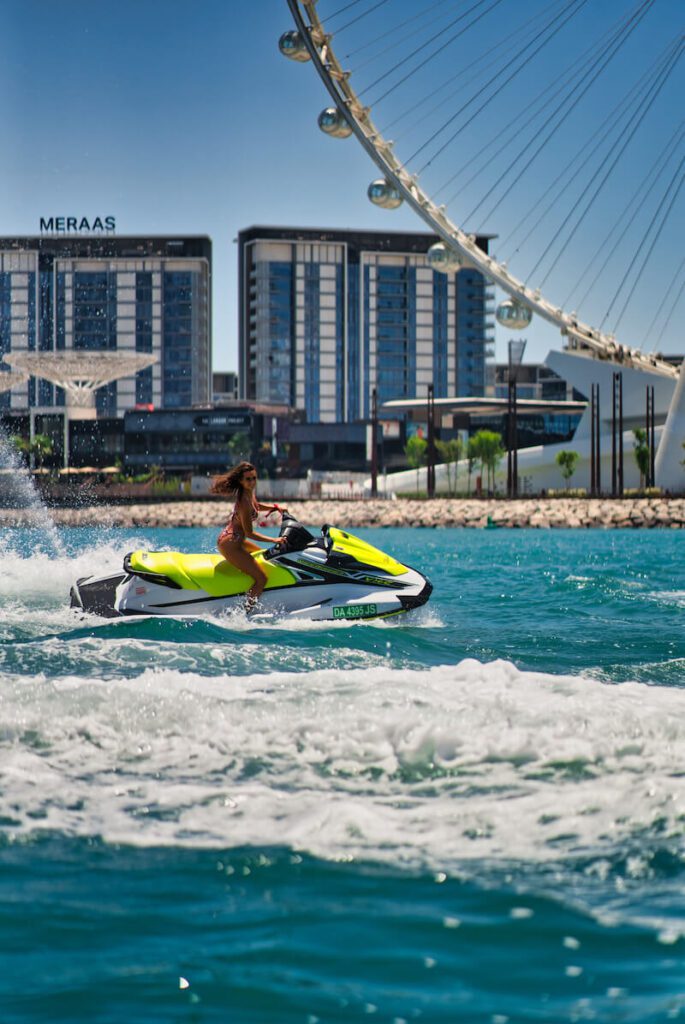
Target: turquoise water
474,813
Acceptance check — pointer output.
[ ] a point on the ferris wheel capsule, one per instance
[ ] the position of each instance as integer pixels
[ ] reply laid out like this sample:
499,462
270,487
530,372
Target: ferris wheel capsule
333,122
292,45
383,193
514,315
441,258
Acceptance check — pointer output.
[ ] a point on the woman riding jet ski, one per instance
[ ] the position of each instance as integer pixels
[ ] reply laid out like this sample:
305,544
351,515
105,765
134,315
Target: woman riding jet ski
334,576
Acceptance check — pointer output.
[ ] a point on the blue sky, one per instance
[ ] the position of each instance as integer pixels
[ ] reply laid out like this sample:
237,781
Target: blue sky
182,118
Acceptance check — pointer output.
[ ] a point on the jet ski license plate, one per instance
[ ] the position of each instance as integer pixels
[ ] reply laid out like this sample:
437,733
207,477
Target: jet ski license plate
354,611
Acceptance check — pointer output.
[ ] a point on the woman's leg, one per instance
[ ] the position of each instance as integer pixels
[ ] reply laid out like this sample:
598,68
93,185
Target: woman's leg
234,552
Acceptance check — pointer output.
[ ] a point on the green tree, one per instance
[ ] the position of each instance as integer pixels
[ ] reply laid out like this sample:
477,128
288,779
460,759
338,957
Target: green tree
566,461
37,450
239,447
451,452
487,446
416,450
471,459
641,453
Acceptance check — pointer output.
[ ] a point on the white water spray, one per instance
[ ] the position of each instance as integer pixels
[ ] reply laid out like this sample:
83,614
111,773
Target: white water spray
18,490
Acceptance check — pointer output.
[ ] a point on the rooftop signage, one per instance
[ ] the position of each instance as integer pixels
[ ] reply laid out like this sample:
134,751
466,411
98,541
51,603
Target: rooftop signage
230,419
80,225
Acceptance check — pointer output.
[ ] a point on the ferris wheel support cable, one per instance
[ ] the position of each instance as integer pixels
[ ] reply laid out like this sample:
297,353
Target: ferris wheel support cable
659,309
389,32
579,5
613,118
657,235
583,85
638,118
505,41
672,309
342,10
639,195
443,46
336,81
573,71
360,17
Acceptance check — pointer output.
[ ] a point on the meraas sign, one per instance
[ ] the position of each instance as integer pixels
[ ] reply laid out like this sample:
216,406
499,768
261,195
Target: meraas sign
56,225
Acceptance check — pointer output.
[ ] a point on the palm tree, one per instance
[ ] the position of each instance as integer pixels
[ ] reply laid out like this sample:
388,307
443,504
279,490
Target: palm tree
36,450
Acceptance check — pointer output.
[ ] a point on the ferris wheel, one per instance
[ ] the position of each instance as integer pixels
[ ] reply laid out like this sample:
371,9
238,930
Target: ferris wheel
413,45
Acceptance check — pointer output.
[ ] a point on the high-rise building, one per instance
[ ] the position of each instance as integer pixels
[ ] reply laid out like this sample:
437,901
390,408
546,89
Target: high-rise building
326,316
110,293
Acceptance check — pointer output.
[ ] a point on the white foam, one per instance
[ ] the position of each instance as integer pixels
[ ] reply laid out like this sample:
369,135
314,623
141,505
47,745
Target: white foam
668,597
437,767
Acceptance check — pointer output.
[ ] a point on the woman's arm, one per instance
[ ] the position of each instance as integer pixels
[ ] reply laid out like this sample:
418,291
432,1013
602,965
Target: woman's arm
245,513
271,508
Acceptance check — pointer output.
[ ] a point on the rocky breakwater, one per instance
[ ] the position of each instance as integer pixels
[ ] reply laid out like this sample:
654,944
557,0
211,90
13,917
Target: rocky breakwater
540,513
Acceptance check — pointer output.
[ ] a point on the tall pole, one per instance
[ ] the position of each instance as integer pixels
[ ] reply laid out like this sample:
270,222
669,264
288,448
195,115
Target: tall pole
516,350
515,462
614,482
652,450
510,439
649,430
374,444
620,434
430,469
593,461
598,454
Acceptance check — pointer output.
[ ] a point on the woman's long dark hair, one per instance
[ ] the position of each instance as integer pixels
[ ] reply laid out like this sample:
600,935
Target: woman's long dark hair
231,483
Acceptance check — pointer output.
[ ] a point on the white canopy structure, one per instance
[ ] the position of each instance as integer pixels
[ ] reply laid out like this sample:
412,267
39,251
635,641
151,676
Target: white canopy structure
11,379
79,373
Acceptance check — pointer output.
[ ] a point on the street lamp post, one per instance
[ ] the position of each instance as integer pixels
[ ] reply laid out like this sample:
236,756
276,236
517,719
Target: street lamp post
430,468
516,350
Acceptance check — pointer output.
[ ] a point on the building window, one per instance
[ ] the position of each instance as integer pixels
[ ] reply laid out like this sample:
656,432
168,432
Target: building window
312,342
178,334
45,310
95,310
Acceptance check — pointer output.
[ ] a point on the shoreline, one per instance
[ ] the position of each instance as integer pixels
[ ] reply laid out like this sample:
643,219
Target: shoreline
536,513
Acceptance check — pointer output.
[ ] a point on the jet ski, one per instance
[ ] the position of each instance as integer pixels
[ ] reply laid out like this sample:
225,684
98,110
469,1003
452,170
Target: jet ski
335,576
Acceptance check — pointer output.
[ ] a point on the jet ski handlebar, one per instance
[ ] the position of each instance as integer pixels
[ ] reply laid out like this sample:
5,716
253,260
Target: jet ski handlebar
297,537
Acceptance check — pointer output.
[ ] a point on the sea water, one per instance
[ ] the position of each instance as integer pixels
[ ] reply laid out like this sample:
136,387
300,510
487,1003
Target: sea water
473,813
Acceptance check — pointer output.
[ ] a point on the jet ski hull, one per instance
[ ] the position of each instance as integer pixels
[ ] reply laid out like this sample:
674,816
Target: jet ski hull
335,578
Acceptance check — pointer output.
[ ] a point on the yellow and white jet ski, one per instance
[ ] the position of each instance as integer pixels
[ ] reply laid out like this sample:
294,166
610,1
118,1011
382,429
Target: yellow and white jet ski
334,576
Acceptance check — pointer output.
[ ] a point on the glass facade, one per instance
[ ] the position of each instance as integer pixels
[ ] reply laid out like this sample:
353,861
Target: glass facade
395,303
144,391
177,359
326,317
440,336
189,439
280,331
341,390
94,311
312,341
108,294
473,332
353,345
5,329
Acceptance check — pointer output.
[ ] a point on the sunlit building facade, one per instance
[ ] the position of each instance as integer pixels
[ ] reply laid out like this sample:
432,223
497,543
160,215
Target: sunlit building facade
110,293
327,316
